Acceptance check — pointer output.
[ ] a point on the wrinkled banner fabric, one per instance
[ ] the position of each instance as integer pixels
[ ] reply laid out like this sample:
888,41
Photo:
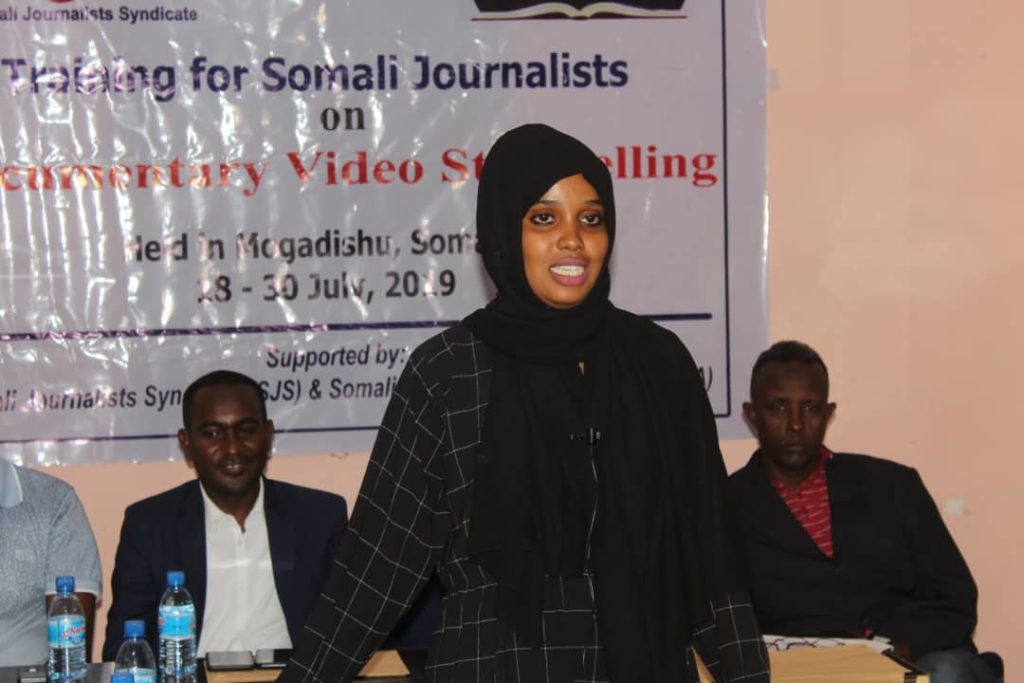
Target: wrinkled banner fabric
289,191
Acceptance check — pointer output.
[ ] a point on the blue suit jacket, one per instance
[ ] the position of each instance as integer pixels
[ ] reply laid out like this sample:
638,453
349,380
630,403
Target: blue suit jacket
168,531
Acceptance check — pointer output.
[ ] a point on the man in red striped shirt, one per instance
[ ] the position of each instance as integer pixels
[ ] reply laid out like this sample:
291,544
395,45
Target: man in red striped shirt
842,544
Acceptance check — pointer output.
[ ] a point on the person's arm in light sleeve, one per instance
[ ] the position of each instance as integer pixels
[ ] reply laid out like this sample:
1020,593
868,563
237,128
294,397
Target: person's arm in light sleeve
71,551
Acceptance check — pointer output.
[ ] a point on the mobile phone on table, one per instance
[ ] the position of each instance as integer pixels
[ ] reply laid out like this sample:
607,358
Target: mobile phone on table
32,674
229,660
273,659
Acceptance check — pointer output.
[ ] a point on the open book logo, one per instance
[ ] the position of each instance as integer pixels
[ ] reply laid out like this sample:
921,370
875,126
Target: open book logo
578,9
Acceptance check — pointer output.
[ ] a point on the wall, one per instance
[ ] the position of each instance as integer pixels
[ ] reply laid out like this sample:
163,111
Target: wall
895,248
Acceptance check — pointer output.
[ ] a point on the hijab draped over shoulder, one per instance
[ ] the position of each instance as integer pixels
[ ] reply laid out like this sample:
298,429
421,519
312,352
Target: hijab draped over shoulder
614,468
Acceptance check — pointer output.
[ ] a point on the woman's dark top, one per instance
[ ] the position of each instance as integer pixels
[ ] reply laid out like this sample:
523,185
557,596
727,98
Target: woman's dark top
413,518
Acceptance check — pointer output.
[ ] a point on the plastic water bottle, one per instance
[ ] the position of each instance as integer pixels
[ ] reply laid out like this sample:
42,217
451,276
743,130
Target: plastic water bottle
122,677
177,623
65,623
135,657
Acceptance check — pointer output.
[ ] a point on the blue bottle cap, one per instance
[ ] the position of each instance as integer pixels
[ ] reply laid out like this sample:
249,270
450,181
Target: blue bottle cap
175,578
122,677
134,628
65,584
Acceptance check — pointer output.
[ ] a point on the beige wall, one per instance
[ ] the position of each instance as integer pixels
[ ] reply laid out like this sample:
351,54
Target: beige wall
896,249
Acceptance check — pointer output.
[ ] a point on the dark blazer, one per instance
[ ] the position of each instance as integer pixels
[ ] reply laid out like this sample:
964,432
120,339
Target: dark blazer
168,531
896,571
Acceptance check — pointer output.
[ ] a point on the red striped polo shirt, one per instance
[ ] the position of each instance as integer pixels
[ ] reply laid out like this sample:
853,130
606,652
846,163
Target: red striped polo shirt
808,501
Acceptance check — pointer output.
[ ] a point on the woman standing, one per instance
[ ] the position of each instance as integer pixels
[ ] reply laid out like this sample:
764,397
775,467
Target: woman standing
554,459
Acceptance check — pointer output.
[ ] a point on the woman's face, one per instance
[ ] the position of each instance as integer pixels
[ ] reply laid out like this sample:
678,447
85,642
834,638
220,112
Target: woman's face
565,242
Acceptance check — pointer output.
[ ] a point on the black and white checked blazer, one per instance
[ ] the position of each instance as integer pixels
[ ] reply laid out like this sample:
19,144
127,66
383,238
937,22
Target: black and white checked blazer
412,519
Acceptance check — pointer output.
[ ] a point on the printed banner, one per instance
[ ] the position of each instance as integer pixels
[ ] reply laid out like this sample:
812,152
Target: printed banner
290,193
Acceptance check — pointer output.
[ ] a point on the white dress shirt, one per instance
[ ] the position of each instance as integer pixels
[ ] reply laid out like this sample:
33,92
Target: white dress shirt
242,610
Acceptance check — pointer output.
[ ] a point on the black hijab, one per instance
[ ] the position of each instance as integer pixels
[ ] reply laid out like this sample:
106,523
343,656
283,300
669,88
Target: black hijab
521,166
621,458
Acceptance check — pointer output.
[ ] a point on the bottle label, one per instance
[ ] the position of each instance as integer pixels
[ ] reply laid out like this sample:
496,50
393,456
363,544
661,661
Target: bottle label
143,675
177,622
66,630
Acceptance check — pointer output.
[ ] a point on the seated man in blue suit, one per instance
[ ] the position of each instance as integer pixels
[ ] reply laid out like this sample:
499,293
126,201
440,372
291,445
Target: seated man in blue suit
254,551
843,544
